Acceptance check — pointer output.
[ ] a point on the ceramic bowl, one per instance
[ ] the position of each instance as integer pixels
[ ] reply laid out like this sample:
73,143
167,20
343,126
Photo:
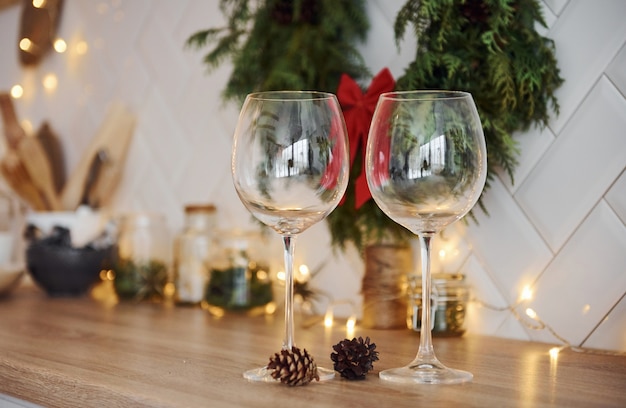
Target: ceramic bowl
63,270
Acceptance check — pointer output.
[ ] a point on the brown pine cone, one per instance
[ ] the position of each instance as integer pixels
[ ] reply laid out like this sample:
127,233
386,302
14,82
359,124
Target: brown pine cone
293,367
354,358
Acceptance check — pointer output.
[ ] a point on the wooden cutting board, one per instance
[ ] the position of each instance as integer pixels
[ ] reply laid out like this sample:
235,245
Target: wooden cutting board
114,137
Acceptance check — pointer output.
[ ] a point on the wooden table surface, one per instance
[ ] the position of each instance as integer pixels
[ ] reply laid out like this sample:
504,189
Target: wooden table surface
79,352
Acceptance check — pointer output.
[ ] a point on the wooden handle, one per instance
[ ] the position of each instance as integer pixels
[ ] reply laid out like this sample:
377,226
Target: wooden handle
18,179
38,167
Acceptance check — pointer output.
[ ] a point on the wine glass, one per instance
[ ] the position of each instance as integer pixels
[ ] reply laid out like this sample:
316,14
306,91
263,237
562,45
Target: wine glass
426,166
290,168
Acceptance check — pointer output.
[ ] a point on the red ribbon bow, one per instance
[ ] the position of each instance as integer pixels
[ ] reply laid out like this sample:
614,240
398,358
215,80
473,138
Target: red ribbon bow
358,110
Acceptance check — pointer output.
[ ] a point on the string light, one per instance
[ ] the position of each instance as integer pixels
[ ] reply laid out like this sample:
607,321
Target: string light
350,326
60,45
25,44
17,91
527,293
328,317
442,254
554,352
535,323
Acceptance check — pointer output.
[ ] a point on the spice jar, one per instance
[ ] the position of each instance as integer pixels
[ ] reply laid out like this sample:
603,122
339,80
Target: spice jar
239,280
192,253
449,303
143,257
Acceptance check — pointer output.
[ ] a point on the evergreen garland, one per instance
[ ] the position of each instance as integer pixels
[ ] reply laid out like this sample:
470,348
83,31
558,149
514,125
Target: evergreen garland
286,44
491,49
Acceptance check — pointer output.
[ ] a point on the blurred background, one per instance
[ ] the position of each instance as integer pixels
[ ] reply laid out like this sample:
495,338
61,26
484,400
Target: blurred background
554,242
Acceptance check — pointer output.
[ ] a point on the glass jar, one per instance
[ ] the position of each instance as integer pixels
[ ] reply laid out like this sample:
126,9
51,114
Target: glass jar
143,257
192,253
239,280
449,298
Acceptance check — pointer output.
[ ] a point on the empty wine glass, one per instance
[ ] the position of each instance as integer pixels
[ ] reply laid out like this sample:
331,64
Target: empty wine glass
426,166
290,168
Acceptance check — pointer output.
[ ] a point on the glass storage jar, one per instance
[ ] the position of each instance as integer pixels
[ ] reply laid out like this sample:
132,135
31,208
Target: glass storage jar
239,280
143,257
449,298
192,253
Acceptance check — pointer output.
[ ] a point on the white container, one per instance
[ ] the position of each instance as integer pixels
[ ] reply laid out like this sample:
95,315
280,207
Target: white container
192,253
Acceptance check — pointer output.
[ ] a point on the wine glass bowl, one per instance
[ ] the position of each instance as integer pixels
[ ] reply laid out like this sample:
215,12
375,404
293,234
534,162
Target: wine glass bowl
290,169
426,166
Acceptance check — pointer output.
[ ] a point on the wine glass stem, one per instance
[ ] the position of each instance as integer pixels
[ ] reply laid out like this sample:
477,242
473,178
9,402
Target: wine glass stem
288,244
426,351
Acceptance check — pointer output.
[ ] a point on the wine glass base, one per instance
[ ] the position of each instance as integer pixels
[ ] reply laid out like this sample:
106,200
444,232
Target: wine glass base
262,374
425,374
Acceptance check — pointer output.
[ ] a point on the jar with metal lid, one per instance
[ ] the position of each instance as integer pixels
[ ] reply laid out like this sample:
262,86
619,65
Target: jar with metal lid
143,259
449,304
192,253
239,280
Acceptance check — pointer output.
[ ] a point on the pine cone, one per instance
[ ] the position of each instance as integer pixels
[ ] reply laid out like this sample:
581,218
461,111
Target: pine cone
293,367
354,358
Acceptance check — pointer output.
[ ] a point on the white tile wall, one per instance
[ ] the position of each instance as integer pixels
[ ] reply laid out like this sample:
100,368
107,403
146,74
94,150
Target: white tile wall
587,156
559,230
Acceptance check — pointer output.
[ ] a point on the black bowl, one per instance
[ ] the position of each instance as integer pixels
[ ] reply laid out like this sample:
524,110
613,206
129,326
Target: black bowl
65,270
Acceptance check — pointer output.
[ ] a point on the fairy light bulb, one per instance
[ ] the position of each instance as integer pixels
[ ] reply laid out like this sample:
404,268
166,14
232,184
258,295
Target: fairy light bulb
531,313
39,3
25,44
60,45
303,273
527,293
350,325
17,91
328,318
554,352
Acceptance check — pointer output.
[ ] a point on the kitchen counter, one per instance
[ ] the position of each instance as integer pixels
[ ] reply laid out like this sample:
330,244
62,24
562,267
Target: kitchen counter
79,352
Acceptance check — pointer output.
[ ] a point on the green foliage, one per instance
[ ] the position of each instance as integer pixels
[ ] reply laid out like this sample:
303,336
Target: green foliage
286,44
491,49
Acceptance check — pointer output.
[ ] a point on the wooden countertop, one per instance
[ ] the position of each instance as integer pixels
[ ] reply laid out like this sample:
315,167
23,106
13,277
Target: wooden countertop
78,352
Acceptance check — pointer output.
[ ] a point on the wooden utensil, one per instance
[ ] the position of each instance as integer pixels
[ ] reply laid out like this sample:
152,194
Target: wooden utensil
19,180
36,163
98,161
54,151
113,137
13,131
25,165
